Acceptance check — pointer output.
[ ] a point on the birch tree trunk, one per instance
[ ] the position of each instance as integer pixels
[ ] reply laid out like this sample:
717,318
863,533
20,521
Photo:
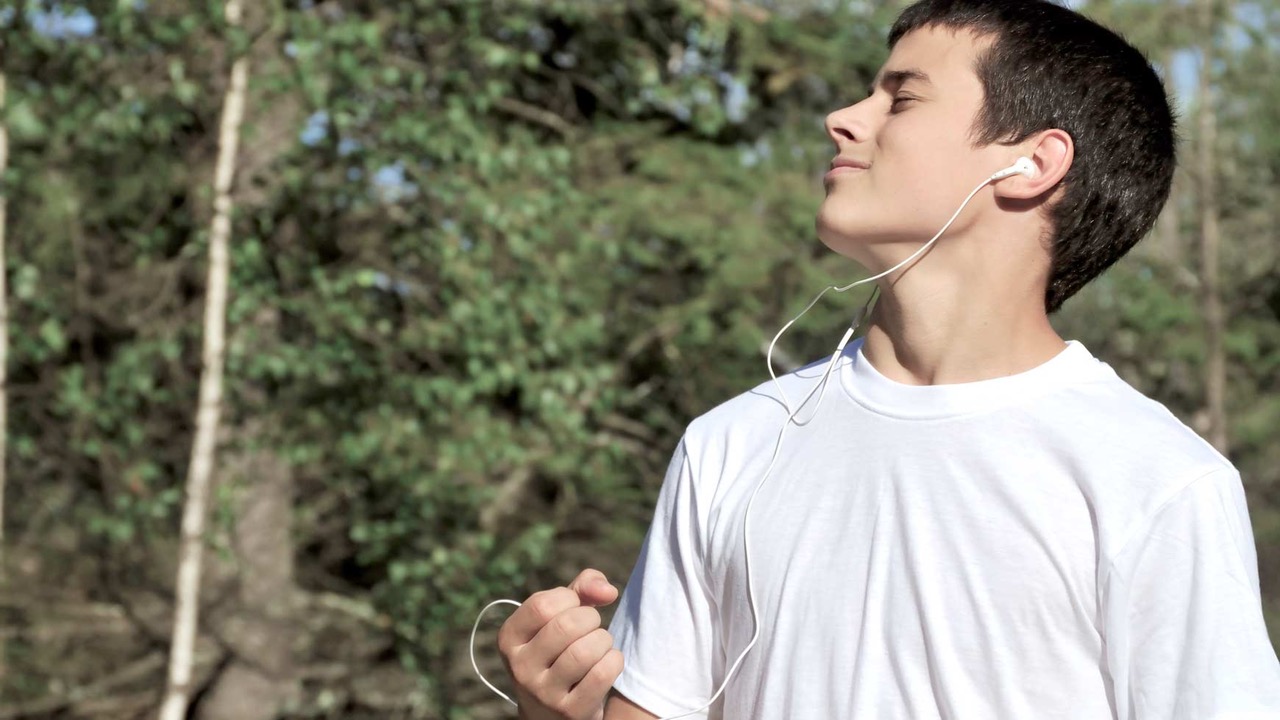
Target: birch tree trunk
1214,319
195,510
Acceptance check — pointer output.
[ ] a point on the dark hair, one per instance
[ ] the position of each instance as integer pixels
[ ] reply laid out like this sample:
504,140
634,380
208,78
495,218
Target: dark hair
1049,67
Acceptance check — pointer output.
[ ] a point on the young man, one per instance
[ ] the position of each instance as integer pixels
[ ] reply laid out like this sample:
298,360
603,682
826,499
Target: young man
981,520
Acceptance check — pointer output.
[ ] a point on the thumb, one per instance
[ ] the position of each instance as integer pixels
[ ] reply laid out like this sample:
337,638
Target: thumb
593,588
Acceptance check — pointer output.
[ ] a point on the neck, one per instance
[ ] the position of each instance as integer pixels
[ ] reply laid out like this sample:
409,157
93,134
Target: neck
956,327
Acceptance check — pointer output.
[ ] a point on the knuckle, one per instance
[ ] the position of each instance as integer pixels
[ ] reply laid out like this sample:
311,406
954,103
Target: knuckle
601,641
545,605
520,675
609,667
588,616
536,605
582,654
506,639
526,671
598,672
575,623
565,625
563,706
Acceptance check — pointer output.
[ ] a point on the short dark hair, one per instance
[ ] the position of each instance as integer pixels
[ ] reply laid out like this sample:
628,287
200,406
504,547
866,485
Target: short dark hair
1049,67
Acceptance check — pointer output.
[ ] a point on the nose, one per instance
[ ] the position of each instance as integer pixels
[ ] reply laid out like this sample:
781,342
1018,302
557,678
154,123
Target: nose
845,126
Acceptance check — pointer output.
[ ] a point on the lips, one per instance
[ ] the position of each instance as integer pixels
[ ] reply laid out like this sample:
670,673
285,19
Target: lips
849,163
844,166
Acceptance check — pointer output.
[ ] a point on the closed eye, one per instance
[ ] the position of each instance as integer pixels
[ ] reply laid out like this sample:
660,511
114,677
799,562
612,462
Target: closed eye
900,99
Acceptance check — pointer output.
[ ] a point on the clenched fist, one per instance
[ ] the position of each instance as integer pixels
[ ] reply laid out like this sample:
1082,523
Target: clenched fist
561,660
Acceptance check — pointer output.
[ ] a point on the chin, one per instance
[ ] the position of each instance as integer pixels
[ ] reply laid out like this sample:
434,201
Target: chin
841,239
831,220
844,225
867,244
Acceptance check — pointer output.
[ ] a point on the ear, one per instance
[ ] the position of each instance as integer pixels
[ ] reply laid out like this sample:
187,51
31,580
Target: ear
1052,152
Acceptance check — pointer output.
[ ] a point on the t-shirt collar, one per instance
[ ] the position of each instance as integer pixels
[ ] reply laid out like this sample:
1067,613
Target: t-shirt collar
867,387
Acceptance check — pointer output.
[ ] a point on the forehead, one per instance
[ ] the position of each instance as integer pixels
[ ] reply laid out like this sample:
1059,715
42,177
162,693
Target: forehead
939,57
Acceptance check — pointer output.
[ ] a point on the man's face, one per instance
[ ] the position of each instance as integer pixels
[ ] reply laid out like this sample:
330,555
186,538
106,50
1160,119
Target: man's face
913,135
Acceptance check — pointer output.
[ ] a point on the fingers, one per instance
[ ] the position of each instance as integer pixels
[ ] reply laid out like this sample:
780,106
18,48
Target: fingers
579,681
577,660
534,614
592,690
554,639
561,659
593,588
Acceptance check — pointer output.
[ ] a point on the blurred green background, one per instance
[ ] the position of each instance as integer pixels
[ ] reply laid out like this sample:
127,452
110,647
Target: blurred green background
488,258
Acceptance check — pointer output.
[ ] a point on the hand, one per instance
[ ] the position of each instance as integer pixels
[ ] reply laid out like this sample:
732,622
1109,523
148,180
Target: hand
560,659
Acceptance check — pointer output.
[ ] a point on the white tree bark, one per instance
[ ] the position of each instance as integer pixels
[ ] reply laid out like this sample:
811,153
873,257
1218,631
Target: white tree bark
196,509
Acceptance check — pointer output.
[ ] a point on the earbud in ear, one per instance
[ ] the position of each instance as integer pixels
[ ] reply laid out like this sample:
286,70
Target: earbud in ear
1023,166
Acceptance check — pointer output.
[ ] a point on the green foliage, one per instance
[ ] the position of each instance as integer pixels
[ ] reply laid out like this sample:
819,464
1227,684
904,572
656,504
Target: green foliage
487,261
549,265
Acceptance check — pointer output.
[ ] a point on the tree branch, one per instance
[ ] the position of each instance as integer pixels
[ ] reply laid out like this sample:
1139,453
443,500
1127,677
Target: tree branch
535,114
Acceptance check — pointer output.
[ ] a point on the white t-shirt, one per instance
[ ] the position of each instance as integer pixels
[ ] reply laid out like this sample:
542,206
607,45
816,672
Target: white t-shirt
1050,544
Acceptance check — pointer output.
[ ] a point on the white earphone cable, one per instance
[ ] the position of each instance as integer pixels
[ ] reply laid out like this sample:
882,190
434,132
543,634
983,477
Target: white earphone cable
1023,166
769,354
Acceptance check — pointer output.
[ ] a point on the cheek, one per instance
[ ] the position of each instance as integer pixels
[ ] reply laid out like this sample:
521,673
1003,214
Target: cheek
916,150
931,164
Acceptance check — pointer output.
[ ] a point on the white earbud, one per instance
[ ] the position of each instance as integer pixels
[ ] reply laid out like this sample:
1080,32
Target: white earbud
1023,166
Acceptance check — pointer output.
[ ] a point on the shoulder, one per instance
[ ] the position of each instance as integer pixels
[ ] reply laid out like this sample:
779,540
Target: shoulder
1110,419
737,438
757,414
1136,456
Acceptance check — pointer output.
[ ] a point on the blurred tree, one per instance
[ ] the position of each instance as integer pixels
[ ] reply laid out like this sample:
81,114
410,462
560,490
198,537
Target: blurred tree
4,335
203,455
1210,238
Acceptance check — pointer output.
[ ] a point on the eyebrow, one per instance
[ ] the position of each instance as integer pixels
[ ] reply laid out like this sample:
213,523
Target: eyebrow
898,77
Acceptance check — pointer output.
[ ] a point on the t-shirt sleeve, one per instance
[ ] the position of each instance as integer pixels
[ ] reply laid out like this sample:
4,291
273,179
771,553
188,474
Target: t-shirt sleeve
1182,613
663,624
